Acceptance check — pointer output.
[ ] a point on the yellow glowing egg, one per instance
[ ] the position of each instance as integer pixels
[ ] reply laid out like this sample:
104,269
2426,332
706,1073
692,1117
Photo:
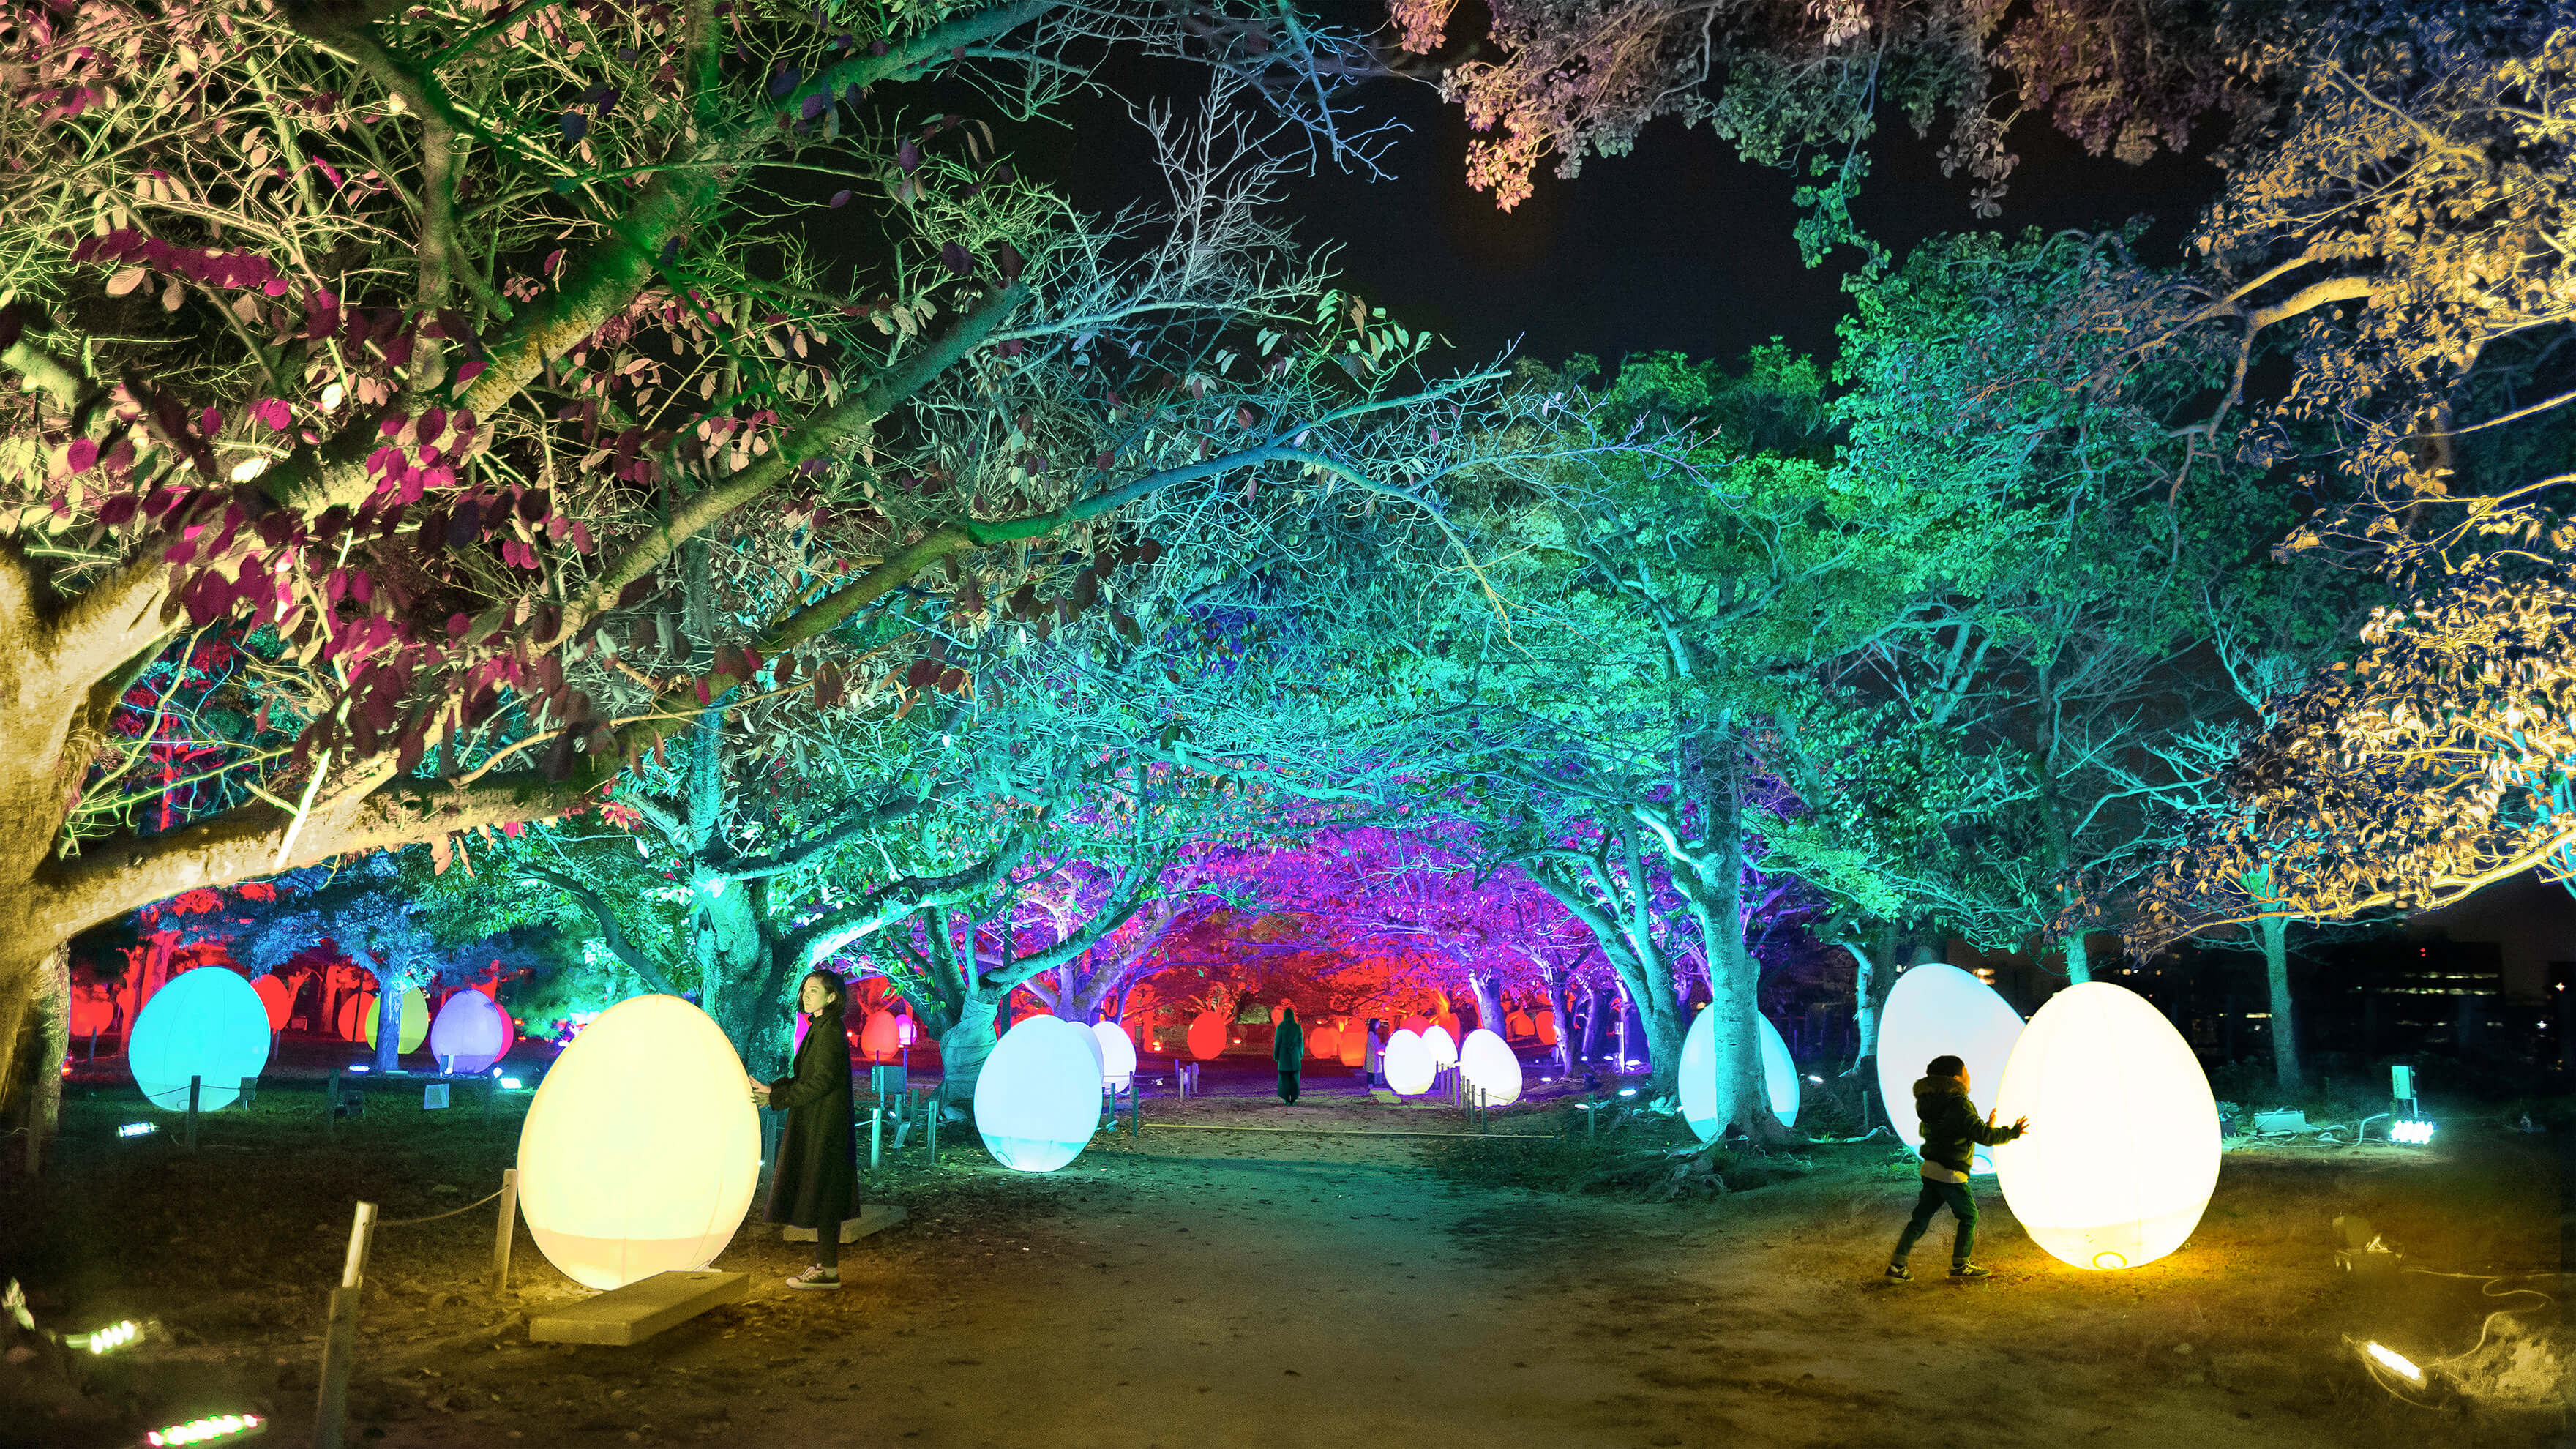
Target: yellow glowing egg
1409,1068
1937,1010
2123,1144
415,1022
641,1148
1486,1061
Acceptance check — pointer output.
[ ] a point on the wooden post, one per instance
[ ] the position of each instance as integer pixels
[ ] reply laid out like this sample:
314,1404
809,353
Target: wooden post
938,1109
340,1334
876,1138
491,1100
194,1085
508,1230
1135,1109
331,1106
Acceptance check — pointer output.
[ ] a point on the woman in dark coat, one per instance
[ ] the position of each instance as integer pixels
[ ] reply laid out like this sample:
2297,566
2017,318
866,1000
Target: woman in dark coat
815,1178
1288,1053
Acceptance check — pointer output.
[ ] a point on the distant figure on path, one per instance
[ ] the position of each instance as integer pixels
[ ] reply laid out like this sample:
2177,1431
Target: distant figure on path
1288,1052
1376,1058
815,1178
1952,1134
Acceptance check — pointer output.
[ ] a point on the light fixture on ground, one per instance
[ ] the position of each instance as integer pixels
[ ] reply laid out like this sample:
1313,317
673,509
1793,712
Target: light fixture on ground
208,1024
1037,1101
641,1146
1409,1068
2413,1134
1938,1010
2123,1144
1698,1074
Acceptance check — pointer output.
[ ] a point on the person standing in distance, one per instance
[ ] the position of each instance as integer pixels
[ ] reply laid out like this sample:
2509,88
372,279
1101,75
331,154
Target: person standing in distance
1952,1133
815,1178
1288,1054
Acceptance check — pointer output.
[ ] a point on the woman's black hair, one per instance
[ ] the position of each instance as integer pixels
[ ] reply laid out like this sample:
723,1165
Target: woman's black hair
840,989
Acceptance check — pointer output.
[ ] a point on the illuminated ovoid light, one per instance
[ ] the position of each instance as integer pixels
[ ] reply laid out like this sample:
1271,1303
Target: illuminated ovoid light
415,1022
1038,1100
2412,1133
138,1129
1117,1055
1486,1061
1207,1036
1323,1043
206,1023
1442,1046
1354,1043
1414,1024
1546,1023
277,997
2393,1361
641,1147
471,1031
1099,1056
1936,1010
2123,1145
207,1430
1518,1024
882,1038
1698,1071
1409,1068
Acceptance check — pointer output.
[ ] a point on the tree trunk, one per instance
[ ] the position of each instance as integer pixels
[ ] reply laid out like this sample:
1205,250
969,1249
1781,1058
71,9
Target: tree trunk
1558,1003
1873,971
2079,966
2274,932
964,1047
389,1000
1489,1006
1591,1047
52,1033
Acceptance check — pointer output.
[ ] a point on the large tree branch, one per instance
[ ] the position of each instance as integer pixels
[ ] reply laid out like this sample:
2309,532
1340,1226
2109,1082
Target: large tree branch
612,932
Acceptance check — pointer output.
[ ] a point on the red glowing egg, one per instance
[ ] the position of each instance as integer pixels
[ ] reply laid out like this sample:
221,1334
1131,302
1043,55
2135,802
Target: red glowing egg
1207,1035
357,1011
278,997
1354,1043
1416,1024
93,1008
1546,1024
1323,1043
1520,1025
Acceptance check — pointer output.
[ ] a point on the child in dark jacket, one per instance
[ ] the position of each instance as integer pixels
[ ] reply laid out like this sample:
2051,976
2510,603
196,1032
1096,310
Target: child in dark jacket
1952,1133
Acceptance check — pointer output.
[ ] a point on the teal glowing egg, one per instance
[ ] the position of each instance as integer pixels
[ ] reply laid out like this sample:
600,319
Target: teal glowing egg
207,1023
1698,1073
1037,1101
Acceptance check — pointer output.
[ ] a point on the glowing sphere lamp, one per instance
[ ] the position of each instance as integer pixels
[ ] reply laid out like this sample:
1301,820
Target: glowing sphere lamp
1038,1099
641,1148
881,1040
2123,1145
93,1008
1099,1055
1448,1021
1442,1046
1699,1074
1207,1035
1117,1055
1409,1068
1933,1011
205,1023
471,1032
1323,1043
277,998
415,1022
1486,1061
1354,1043
355,1016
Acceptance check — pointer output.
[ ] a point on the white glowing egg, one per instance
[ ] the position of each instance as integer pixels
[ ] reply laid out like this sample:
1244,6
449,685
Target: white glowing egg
1038,1100
1442,1046
208,1023
1486,1061
641,1148
1099,1054
1698,1073
470,1033
1117,1055
2123,1145
1408,1066
1941,1011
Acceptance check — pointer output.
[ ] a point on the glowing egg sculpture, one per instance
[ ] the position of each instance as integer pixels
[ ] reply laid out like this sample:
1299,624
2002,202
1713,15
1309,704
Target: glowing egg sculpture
1354,1043
415,1022
277,998
880,1040
1545,1021
641,1148
1414,1024
205,1023
1486,1061
1117,1055
1442,1046
470,1033
1698,1071
1409,1068
1936,1010
2123,1145
1323,1043
353,1017
1038,1100
1207,1035
1518,1024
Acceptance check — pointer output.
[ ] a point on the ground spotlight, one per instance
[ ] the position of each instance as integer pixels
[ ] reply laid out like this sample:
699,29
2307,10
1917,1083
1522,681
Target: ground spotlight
2412,1133
2394,1362
207,1430
107,1340
138,1129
